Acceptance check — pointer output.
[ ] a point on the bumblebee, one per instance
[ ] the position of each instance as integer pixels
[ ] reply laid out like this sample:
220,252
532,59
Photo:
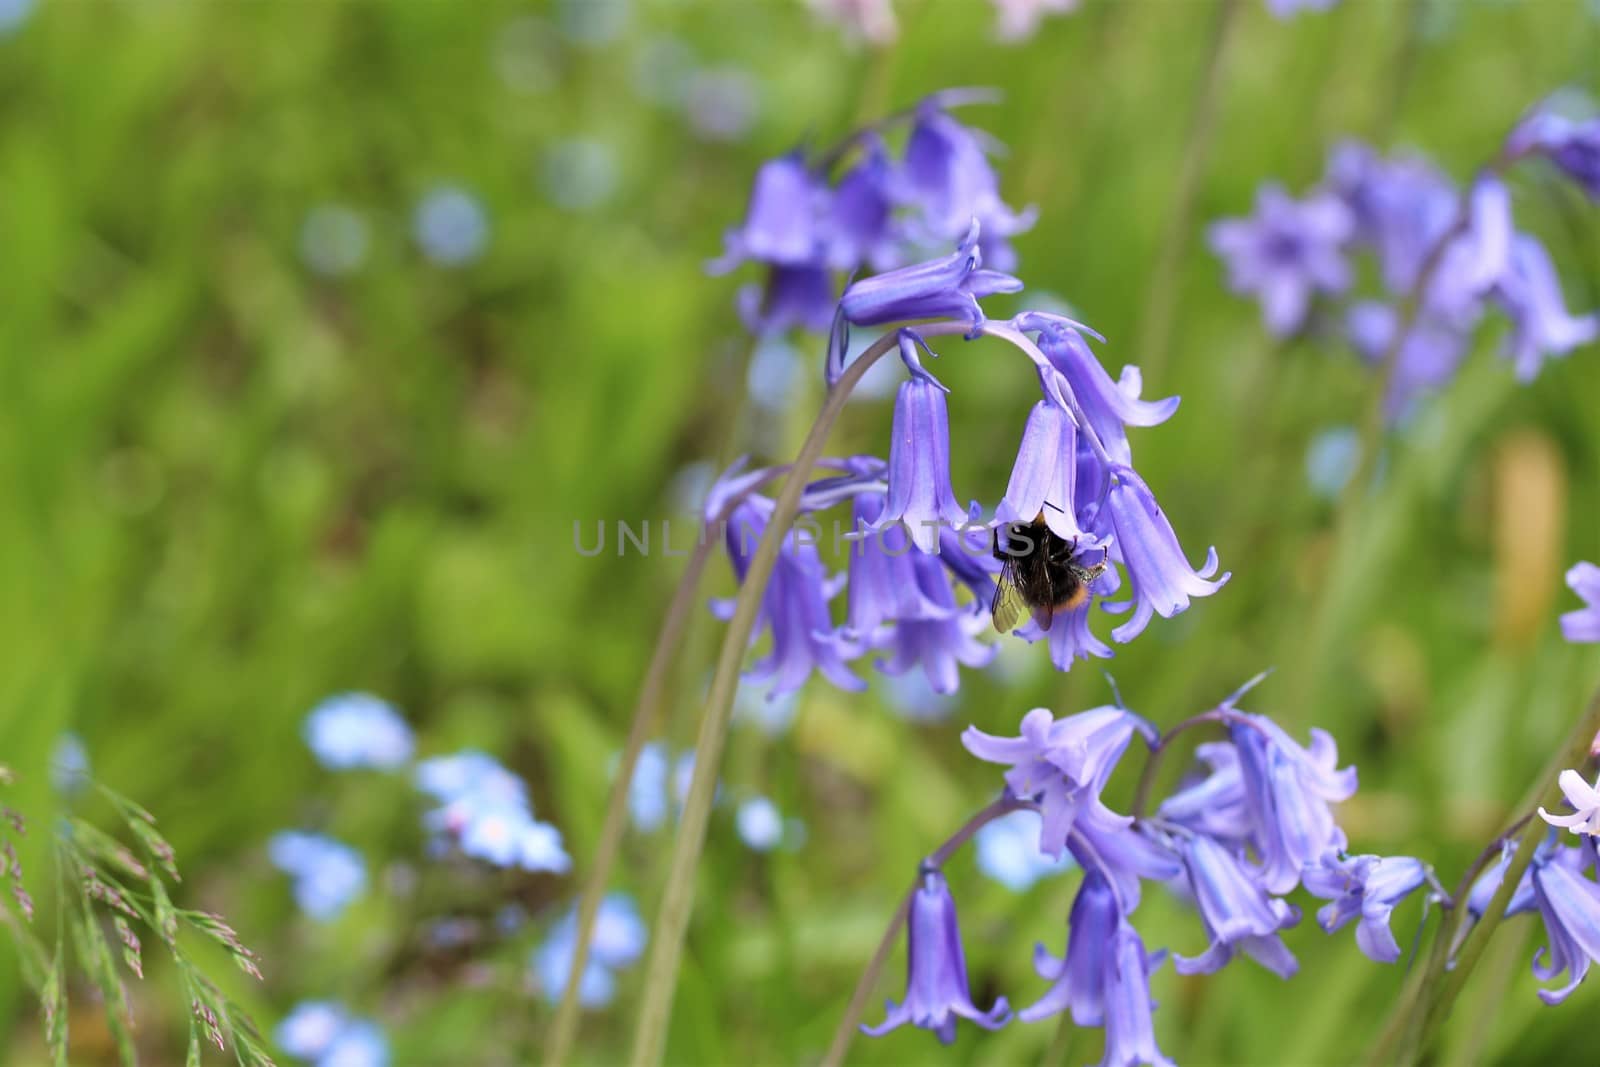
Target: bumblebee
1039,576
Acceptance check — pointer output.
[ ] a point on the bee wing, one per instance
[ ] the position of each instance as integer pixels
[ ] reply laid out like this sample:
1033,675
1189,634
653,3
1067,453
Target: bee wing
1008,607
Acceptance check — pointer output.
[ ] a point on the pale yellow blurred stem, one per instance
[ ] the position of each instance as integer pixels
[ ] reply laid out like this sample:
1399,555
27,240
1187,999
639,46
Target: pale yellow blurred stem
851,1021
646,712
1156,324
677,902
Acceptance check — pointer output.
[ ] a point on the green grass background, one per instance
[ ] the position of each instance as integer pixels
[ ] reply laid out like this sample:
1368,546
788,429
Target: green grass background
230,487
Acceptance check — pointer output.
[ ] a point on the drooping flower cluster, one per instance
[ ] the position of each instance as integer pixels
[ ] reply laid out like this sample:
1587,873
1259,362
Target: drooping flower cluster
1455,252
922,568
485,811
813,219
1231,842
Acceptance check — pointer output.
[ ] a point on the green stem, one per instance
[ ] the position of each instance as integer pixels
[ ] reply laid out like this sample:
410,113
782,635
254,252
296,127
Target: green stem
848,1024
1155,339
1573,754
672,918
563,1030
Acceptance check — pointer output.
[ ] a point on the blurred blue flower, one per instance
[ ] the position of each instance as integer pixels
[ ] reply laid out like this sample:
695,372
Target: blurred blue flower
1287,252
333,240
662,69
1573,145
322,1033
1331,460
780,225
947,175
617,942
69,765
1402,206
647,793
1064,763
358,730
486,810
450,226
760,824
859,221
1288,8
1080,975
1427,360
592,23
13,13
1237,914
936,970
721,103
1583,626
1008,851
580,174
326,875
777,373
772,716
1019,19
914,698
1530,291
1367,887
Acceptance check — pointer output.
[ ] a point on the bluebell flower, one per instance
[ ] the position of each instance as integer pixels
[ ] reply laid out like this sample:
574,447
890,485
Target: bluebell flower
1043,479
1476,258
1065,763
470,774
946,173
1130,1028
794,606
1286,253
1427,360
358,730
1487,884
451,226
333,240
1583,626
882,583
69,765
1365,887
940,639
1238,915
1585,801
1007,851
859,227
1402,206
617,942
1110,406
1569,903
326,875
1574,146
1127,855
1080,975
781,225
792,298
760,824
1214,805
919,493
13,14
936,970
1161,578
1289,790
1530,292
947,287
